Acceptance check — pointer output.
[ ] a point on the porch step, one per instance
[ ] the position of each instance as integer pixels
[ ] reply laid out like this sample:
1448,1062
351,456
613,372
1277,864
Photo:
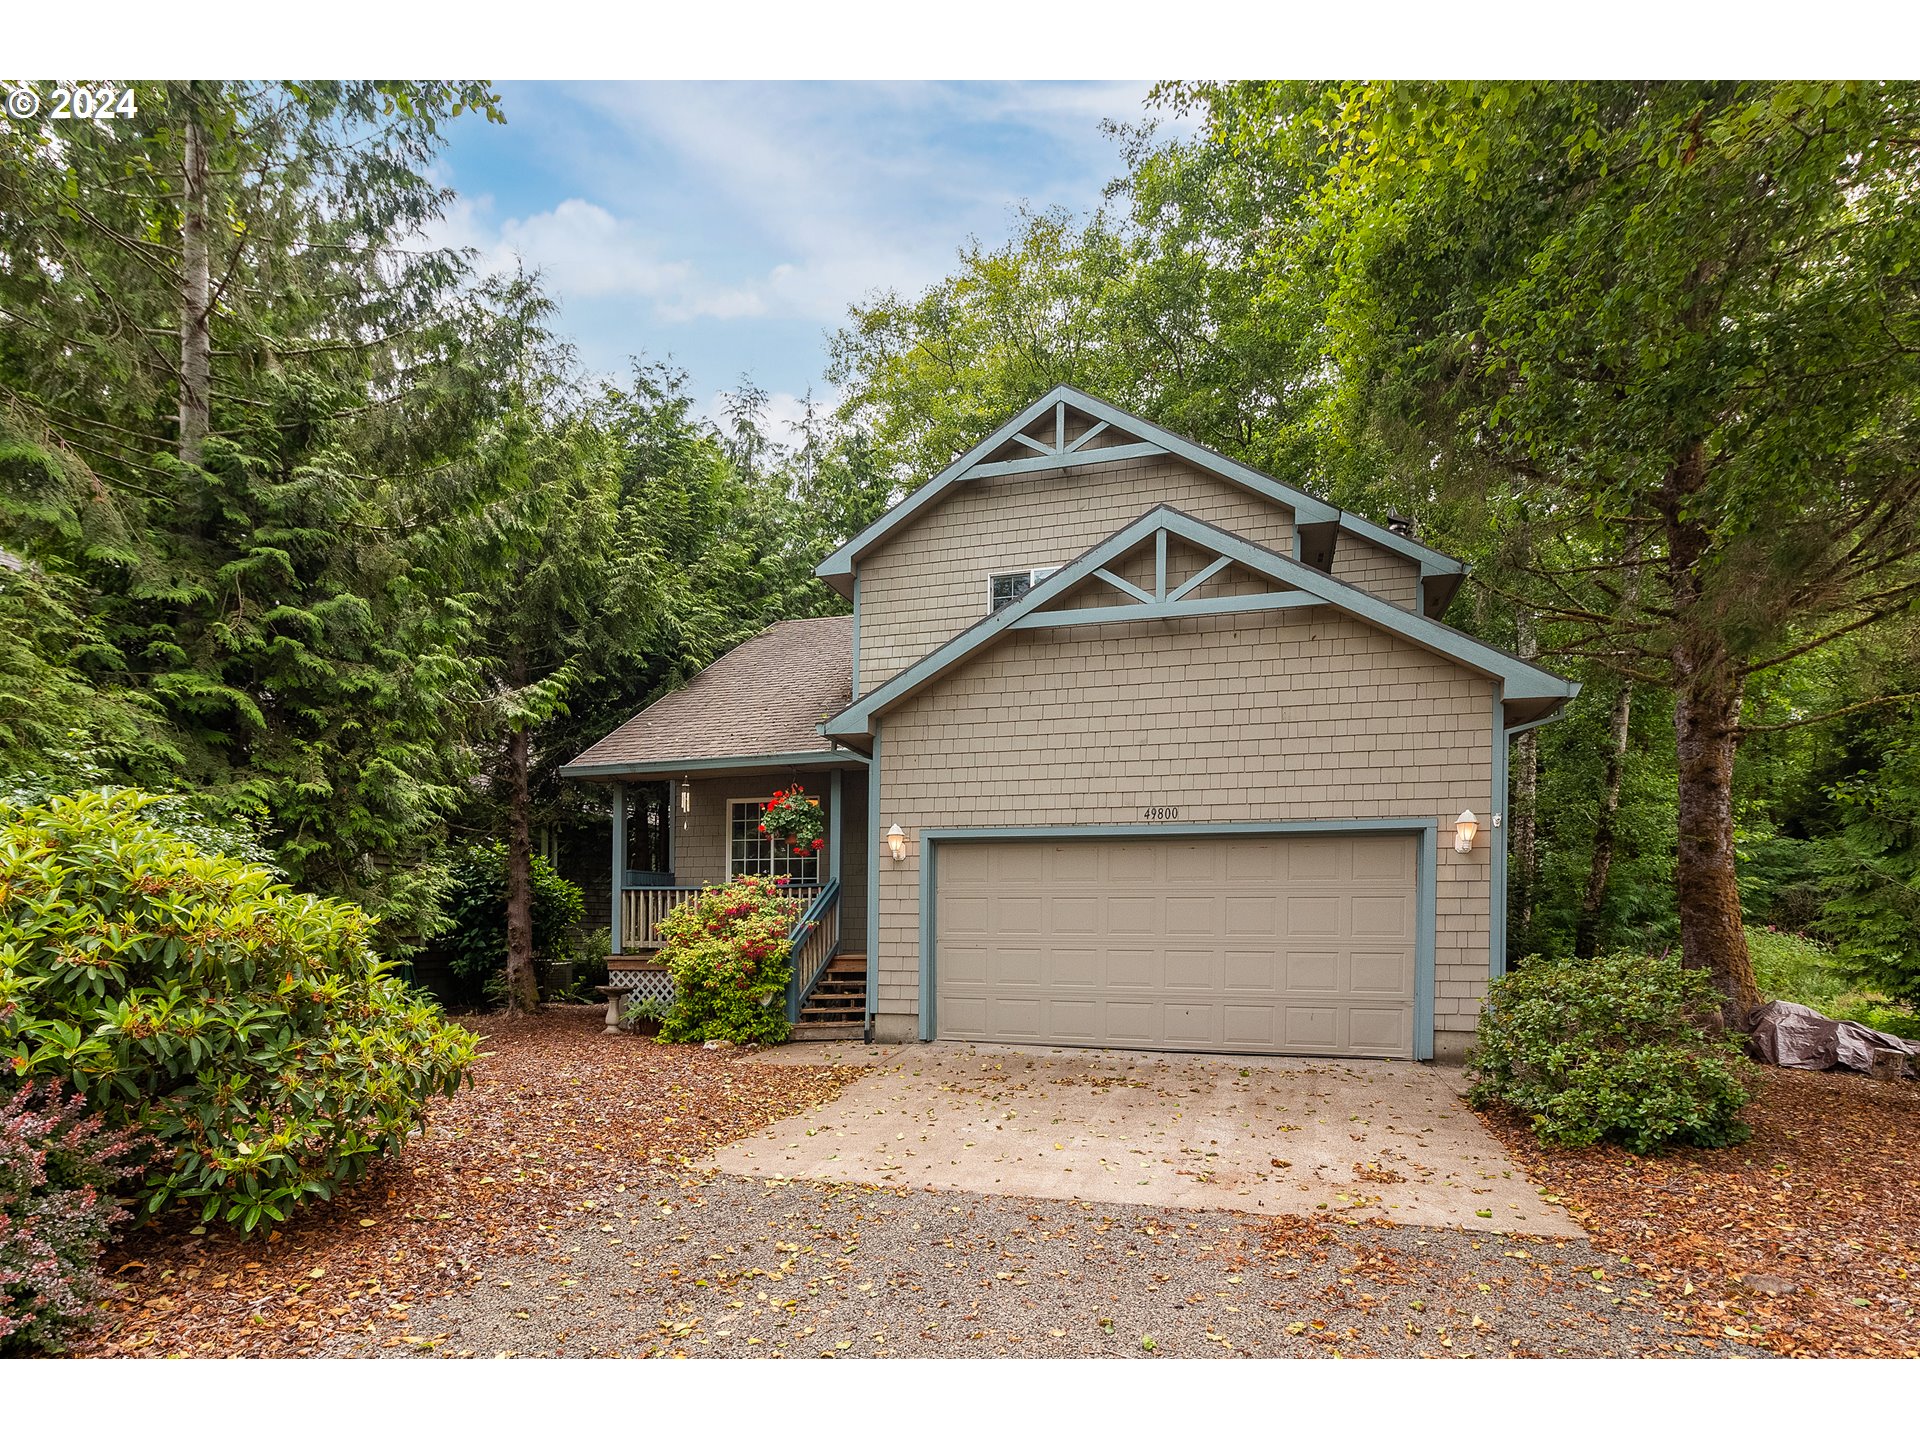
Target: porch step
838,1003
818,1030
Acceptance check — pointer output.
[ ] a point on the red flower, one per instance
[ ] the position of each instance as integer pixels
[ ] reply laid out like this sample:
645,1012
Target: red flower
819,844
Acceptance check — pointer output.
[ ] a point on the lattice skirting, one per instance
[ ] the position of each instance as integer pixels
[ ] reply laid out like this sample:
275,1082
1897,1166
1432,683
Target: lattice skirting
643,984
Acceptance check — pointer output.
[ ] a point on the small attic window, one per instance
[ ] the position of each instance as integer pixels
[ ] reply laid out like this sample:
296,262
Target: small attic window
1003,590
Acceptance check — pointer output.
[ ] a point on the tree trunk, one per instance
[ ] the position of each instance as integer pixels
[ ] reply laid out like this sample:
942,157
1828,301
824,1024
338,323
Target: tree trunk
523,990
196,294
1526,807
1586,932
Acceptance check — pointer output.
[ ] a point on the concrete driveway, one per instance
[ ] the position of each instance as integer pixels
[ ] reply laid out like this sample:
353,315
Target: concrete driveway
1354,1138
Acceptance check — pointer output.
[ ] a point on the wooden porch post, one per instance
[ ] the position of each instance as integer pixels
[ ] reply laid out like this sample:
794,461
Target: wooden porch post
619,860
833,824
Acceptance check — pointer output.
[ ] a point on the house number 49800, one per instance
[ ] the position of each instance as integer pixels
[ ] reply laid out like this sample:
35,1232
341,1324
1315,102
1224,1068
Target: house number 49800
1162,812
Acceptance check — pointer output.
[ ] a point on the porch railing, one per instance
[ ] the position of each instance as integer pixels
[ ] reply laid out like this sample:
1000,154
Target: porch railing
642,907
815,936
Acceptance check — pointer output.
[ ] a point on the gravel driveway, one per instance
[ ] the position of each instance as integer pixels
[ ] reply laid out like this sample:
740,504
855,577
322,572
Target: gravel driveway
713,1264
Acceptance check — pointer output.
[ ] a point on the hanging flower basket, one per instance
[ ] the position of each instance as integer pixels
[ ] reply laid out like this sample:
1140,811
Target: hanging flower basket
793,819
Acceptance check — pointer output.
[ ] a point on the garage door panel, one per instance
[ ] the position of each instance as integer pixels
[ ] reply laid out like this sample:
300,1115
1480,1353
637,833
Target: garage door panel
1251,914
1315,915
1248,1027
1312,970
1255,970
1193,915
1074,969
1379,972
1075,915
1376,1031
1191,969
1275,944
1135,969
1379,916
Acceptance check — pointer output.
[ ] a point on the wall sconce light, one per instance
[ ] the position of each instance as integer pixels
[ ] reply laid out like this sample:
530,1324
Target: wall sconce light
897,842
1464,829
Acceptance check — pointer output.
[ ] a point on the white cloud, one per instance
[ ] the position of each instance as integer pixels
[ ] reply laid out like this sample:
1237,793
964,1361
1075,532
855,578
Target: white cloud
585,252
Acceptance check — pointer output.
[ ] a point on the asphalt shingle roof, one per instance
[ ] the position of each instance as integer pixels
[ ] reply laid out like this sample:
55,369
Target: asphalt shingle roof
764,697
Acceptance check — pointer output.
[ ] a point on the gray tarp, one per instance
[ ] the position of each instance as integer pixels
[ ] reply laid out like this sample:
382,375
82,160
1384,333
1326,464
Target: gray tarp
1789,1034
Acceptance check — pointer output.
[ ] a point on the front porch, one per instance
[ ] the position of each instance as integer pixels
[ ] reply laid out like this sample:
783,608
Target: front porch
673,836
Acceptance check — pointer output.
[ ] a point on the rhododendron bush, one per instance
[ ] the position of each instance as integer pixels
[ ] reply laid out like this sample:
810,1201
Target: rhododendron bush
246,1029
728,951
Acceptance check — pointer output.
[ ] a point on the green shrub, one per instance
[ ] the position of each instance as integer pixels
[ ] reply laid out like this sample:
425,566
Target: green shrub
61,1170
1615,1048
476,906
247,1030
727,950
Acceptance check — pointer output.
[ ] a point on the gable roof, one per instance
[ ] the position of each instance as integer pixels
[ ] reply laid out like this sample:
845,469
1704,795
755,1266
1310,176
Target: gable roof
1312,516
765,697
1527,689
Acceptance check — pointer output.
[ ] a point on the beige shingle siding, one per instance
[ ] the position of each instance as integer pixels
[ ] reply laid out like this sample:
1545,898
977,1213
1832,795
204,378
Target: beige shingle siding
1392,577
1286,716
929,582
700,838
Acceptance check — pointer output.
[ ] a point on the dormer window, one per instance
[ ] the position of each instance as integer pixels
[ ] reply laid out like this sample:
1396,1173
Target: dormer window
1003,590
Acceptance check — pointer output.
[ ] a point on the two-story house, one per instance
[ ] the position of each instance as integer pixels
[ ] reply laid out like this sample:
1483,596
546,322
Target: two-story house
1124,744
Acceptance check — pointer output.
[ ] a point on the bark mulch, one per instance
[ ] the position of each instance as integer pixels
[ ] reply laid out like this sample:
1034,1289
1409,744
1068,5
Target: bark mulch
1804,1241
557,1111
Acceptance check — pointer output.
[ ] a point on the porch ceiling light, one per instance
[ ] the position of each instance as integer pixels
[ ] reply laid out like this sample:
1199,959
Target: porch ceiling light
897,841
1464,829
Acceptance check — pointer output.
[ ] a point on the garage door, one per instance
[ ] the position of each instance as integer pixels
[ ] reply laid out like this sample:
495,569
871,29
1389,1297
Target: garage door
1299,944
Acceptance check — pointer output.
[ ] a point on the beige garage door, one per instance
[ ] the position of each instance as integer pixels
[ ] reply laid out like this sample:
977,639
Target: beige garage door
1293,945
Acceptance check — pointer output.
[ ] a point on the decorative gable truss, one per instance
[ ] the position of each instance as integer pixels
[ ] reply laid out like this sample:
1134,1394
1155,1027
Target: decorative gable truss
1068,427
1167,565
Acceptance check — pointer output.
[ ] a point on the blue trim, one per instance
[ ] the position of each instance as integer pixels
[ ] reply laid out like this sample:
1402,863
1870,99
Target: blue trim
833,824
856,637
1426,887
619,864
873,883
1523,680
714,764
1060,460
1497,844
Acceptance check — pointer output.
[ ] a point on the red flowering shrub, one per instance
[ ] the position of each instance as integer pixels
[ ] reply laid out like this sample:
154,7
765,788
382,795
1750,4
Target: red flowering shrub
793,818
727,950
59,1171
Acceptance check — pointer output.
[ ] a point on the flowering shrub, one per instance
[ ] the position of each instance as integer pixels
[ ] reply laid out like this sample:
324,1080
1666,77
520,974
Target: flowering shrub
59,1170
793,818
727,950
246,1029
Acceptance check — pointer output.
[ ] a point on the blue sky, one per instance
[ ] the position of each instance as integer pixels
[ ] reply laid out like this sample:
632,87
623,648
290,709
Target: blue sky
728,226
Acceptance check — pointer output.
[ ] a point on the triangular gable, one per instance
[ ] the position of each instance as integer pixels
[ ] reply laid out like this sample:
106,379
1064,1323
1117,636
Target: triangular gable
1109,434
1525,688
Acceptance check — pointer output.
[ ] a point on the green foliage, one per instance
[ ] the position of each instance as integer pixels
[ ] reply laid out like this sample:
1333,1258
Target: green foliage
727,950
1614,1048
476,906
794,819
1808,972
61,1170
247,1030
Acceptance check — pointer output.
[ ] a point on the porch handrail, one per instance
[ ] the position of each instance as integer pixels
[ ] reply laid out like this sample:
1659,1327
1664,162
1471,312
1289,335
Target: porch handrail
812,942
